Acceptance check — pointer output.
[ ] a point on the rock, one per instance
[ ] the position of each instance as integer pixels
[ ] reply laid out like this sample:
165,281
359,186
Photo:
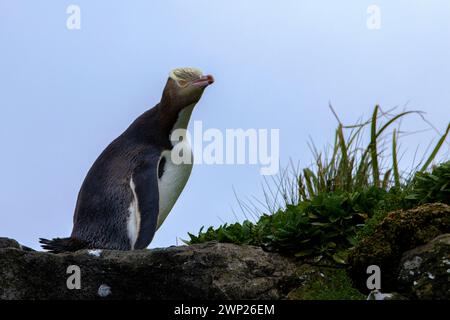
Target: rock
399,232
9,243
205,271
425,271
377,295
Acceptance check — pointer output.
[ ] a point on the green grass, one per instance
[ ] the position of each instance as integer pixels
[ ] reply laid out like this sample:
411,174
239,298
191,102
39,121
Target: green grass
321,211
331,285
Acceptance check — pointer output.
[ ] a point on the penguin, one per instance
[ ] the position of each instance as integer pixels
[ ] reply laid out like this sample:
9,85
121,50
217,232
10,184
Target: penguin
134,183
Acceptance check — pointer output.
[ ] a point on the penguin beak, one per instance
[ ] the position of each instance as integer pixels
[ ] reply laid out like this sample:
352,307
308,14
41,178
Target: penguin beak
203,81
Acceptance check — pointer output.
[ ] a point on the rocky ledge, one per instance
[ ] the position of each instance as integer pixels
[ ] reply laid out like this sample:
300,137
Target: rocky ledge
410,247
207,271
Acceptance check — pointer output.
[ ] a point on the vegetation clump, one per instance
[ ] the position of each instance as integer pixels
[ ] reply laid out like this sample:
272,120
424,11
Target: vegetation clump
432,186
322,211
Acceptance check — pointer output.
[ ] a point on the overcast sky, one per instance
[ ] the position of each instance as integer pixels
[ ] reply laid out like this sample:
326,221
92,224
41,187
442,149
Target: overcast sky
66,94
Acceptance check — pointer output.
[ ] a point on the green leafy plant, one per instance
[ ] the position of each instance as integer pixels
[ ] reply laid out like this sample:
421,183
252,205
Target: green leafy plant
324,226
432,186
237,233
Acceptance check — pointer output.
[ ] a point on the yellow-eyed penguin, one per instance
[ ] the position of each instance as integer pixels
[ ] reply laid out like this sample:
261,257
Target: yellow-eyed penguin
133,184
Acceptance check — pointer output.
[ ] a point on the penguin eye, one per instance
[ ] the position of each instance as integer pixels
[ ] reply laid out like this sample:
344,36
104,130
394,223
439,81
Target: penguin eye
182,83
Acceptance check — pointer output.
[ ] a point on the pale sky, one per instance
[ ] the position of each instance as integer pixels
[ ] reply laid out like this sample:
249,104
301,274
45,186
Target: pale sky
66,94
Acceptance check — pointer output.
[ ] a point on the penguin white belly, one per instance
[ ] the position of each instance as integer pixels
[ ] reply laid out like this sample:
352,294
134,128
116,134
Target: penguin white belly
172,183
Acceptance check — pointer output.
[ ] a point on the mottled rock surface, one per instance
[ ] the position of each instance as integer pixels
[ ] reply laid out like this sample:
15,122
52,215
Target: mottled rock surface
425,271
207,271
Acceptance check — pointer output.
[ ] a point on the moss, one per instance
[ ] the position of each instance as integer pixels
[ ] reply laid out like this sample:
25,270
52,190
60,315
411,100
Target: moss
393,200
398,232
325,284
371,224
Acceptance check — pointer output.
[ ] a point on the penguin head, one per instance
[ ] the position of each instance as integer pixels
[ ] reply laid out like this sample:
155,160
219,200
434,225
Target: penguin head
185,87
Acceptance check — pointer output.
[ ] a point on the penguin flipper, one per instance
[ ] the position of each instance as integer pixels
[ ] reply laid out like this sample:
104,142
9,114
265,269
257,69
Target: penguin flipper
145,178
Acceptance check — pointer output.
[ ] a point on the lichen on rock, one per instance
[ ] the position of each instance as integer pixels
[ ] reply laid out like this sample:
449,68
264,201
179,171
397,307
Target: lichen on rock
423,271
399,232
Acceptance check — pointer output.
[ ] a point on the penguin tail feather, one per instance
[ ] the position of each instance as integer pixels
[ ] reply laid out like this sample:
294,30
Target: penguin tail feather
60,245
